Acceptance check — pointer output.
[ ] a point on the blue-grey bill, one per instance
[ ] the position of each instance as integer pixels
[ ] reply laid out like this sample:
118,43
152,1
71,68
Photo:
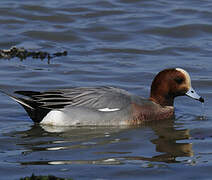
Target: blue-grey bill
192,93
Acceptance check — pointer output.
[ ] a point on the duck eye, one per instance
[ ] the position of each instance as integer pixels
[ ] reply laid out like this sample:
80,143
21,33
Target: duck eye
179,80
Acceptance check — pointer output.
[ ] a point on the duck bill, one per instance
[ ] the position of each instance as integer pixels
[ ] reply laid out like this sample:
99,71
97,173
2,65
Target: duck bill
192,93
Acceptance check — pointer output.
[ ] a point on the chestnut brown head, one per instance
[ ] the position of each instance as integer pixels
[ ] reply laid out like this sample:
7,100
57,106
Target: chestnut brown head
171,83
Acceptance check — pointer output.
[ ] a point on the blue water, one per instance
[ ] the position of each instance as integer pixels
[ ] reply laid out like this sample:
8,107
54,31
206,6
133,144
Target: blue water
120,43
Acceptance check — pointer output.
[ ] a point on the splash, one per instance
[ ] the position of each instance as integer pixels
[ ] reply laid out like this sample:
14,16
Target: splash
203,115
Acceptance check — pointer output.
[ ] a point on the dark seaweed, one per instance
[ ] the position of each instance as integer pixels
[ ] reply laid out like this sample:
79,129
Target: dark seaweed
22,54
50,177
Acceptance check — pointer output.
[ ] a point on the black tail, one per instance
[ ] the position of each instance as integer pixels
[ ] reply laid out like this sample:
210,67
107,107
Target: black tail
32,107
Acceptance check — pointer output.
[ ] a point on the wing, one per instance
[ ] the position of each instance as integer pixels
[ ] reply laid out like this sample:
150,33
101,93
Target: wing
90,97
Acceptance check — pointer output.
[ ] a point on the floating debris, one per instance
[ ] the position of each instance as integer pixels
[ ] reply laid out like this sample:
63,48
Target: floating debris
50,177
22,53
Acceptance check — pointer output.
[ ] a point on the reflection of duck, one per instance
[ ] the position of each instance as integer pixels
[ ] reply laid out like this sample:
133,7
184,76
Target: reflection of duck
108,105
103,144
166,141
167,145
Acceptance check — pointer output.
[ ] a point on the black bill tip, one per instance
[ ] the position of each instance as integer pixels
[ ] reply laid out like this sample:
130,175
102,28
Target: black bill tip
201,100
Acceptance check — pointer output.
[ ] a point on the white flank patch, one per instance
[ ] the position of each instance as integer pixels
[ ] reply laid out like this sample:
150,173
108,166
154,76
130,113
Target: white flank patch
108,109
54,117
188,79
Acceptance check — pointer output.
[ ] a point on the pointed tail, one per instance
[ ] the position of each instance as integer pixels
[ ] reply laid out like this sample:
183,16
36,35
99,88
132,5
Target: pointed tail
32,107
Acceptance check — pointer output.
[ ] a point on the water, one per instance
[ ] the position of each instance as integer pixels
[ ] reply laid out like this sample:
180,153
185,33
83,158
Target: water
203,111
122,43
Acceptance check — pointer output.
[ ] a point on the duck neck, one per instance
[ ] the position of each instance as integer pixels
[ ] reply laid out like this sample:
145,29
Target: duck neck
163,100
160,89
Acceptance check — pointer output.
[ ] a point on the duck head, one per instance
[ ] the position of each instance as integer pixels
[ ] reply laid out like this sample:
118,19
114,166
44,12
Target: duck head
171,83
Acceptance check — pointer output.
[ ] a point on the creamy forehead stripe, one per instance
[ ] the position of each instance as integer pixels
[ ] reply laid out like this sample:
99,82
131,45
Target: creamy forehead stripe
188,79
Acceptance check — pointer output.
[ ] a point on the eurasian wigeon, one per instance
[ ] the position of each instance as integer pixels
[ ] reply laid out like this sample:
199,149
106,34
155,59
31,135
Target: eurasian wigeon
108,106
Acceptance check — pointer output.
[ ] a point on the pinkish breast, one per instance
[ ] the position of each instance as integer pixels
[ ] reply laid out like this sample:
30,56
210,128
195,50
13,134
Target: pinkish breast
150,112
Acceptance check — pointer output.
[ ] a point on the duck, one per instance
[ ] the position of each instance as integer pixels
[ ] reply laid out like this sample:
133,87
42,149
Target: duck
106,105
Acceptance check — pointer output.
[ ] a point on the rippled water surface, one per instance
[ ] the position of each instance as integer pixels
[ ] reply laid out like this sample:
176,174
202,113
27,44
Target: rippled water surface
122,43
